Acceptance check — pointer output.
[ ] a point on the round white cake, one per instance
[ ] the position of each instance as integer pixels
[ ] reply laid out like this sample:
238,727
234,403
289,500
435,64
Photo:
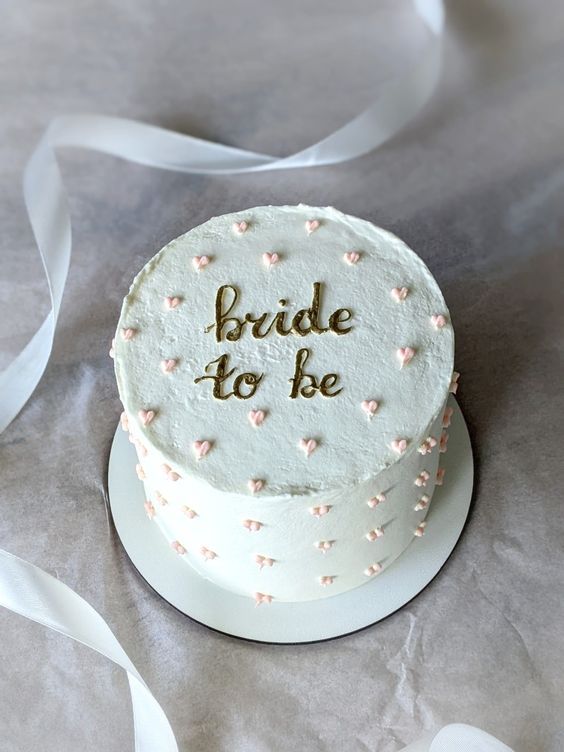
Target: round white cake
284,373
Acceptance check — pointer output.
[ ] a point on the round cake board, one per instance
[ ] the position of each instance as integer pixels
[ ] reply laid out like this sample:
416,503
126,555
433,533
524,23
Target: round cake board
290,623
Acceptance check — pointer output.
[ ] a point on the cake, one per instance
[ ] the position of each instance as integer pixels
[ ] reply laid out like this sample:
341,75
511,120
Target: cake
284,373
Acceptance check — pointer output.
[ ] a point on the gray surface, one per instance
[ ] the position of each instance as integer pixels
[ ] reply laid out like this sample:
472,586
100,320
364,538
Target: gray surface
474,185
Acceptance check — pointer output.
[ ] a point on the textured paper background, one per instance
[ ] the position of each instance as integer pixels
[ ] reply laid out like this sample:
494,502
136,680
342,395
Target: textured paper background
475,185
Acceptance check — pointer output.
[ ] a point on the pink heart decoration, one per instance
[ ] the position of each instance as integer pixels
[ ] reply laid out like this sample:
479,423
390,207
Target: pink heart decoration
190,513
255,485
263,561
240,227
161,499
146,416
324,546
140,472
420,530
170,474
423,503
404,355
351,257
262,598
326,580
208,554
320,511
149,509
438,320
308,446
128,333
168,365
369,407
373,535
375,500
201,448
252,525
447,417
269,259
373,569
178,547
256,417
422,478
311,225
399,445
200,261
443,442
172,302
399,293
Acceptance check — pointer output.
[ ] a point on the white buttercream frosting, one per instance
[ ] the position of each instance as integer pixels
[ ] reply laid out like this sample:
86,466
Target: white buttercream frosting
304,469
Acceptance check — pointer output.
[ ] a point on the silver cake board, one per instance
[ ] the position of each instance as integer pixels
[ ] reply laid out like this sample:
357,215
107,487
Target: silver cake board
290,623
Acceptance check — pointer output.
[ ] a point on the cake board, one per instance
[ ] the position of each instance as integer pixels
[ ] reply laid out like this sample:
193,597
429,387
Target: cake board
303,622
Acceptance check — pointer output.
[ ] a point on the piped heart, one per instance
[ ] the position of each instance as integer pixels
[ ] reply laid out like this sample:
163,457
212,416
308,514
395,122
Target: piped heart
252,526
399,445
420,529
351,257
168,365
311,225
373,535
320,511
308,446
200,262
375,500
438,320
373,569
201,448
171,302
255,485
399,293
208,554
369,407
256,417
405,355
264,561
128,333
423,503
269,259
146,416
262,598
170,474
240,227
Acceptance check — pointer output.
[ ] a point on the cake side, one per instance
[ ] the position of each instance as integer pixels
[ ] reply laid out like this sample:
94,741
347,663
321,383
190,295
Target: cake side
295,547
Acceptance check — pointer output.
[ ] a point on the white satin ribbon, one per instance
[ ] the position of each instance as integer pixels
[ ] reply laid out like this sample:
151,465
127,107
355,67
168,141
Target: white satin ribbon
38,596
458,737
24,588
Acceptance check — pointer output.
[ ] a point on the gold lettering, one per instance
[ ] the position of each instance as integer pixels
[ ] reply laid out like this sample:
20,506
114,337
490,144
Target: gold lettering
329,380
337,318
310,387
221,315
252,380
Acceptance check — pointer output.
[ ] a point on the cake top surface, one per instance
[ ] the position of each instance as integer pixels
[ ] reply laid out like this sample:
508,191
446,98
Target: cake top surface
283,350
